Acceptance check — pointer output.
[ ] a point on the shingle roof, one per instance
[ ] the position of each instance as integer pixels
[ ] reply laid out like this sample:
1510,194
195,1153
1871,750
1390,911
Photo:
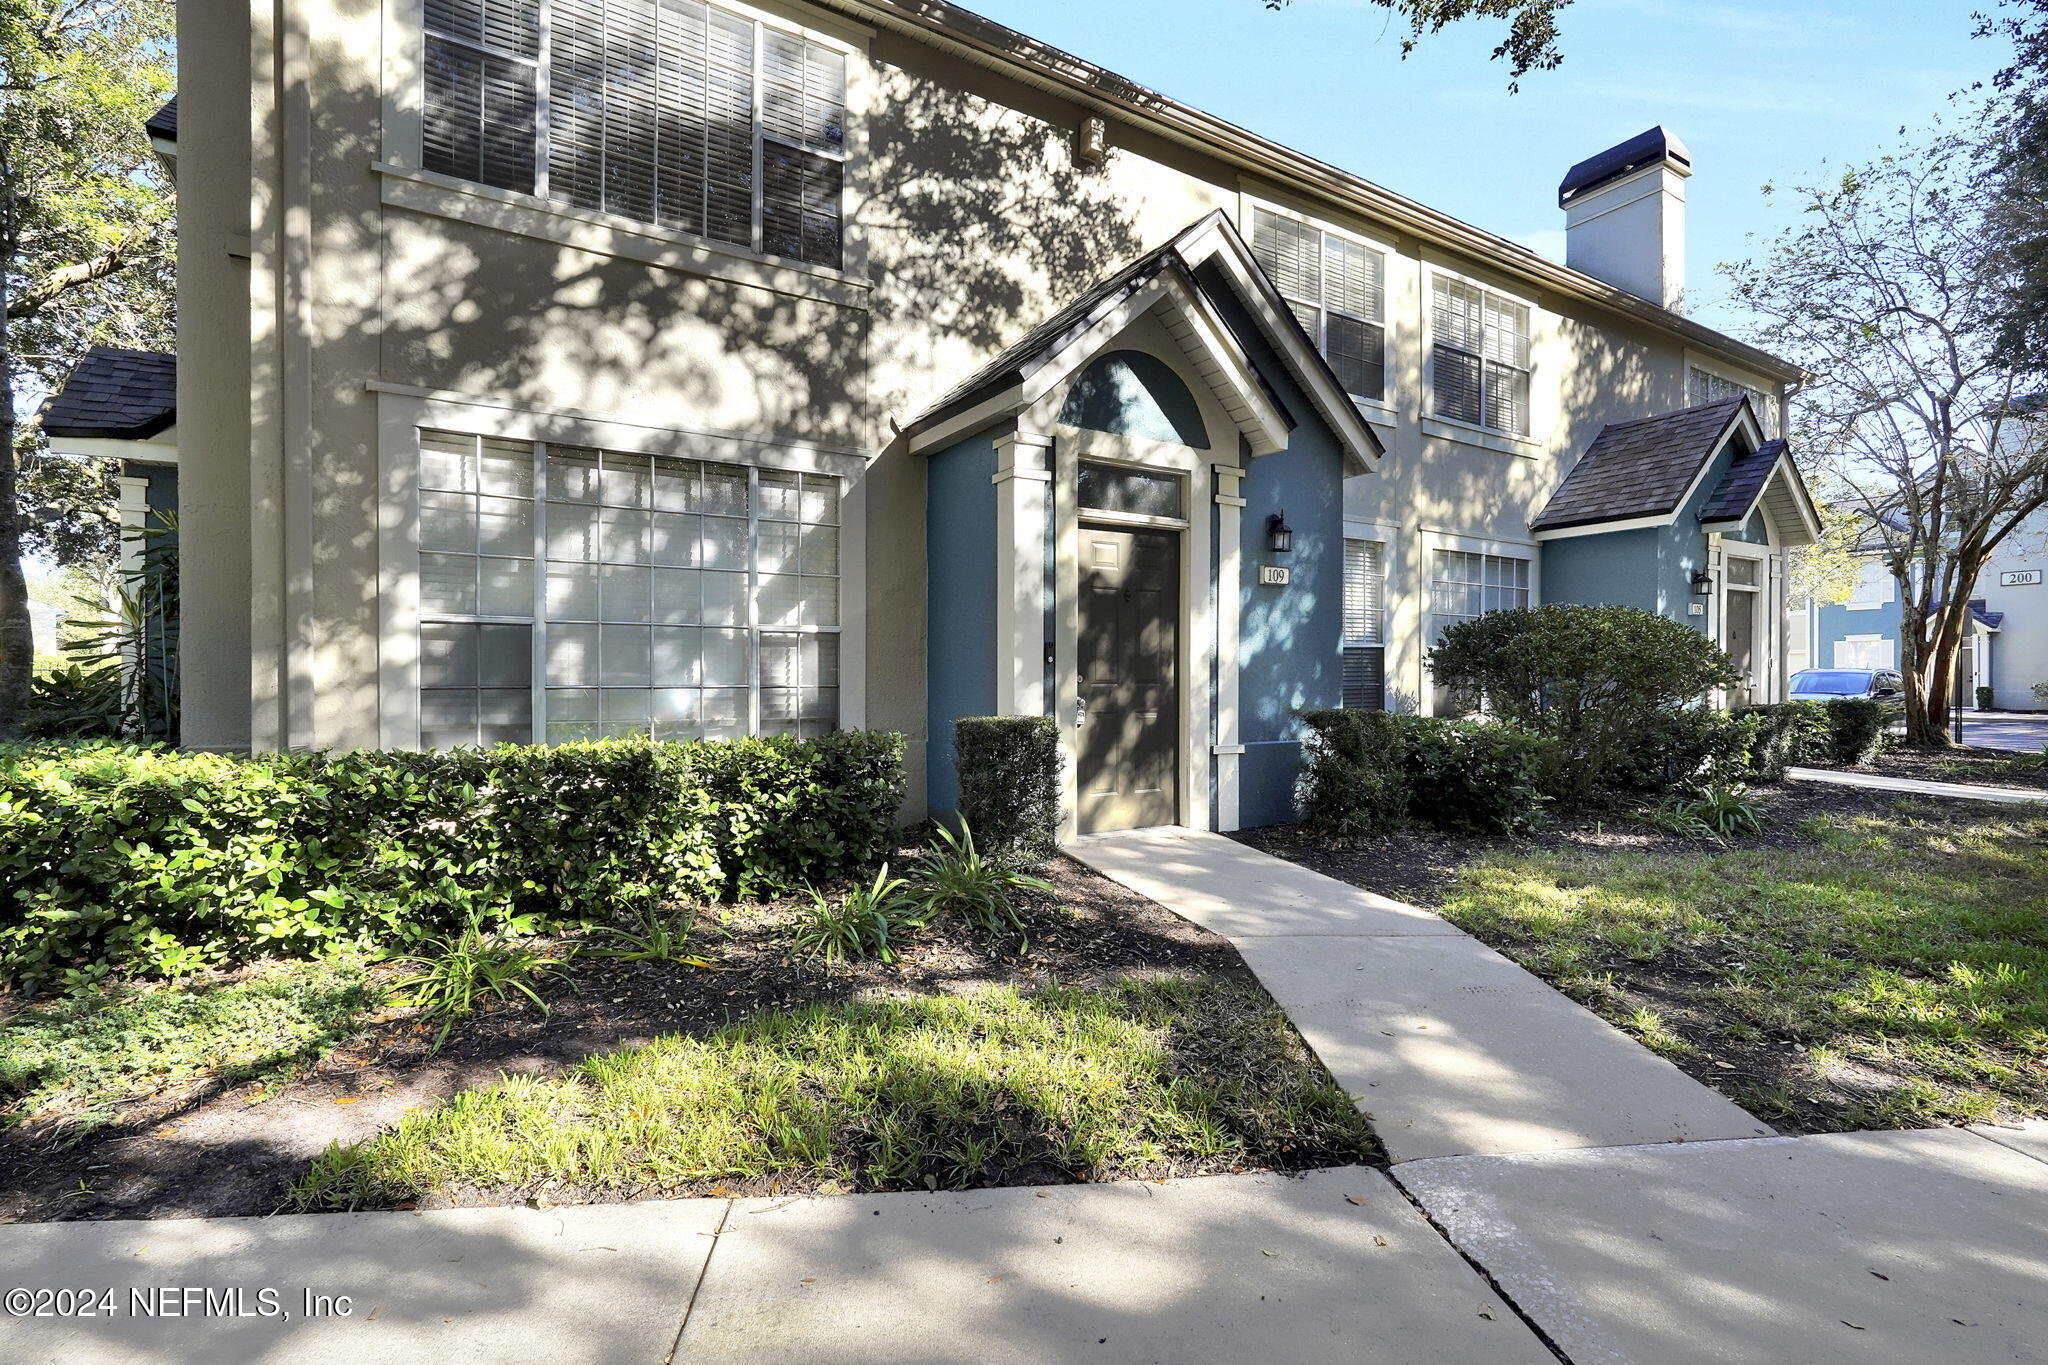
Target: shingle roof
163,124
1743,484
1992,620
1640,468
116,394
1644,149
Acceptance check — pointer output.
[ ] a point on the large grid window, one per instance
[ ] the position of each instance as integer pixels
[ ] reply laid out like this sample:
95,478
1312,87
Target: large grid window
1364,630
568,593
1338,290
1480,362
671,112
1465,586
1704,386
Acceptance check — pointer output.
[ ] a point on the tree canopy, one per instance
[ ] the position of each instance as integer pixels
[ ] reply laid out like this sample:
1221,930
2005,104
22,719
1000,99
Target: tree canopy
1890,290
85,257
1532,41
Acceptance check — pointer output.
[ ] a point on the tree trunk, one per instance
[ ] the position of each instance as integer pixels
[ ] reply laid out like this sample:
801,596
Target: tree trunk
17,640
1930,729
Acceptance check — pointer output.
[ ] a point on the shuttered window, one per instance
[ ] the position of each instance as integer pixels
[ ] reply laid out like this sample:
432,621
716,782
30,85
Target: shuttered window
671,112
1364,639
1480,360
1337,288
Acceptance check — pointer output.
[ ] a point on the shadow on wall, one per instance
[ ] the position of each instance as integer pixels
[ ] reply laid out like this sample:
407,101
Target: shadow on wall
980,226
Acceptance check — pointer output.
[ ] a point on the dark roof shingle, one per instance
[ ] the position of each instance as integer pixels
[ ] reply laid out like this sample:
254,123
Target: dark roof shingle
116,394
1640,468
1743,484
163,124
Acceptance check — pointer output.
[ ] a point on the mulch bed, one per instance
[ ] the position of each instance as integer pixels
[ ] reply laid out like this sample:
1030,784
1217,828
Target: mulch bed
1418,865
211,1151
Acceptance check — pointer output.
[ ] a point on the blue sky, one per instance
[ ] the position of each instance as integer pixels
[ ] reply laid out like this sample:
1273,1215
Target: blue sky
1761,92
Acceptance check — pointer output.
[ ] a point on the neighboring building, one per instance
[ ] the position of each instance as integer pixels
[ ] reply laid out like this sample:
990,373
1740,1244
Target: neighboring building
122,405
552,369
2006,648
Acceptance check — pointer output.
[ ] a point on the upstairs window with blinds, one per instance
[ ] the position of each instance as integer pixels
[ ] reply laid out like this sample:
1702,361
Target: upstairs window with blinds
1338,290
1364,615
670,112
1704,386
1480,364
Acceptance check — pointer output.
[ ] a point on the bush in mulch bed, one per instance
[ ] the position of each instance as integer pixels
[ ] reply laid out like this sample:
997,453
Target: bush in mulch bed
161,862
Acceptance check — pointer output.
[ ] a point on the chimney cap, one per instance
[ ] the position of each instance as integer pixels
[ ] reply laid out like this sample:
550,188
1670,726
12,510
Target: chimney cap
1644,149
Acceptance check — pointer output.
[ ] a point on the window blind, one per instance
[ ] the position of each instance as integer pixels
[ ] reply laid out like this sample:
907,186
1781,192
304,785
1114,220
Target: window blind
1364,588
1480,356
654,112
1336,288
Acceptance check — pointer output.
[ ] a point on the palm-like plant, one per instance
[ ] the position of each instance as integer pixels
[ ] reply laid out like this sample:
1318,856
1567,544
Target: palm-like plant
955,879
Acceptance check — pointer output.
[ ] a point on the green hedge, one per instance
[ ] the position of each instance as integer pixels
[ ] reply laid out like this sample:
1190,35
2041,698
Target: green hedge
1352,782
1009,769
1363,771
160,861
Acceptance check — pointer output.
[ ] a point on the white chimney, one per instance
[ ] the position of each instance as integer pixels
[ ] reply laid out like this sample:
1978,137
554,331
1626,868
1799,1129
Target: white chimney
1624,217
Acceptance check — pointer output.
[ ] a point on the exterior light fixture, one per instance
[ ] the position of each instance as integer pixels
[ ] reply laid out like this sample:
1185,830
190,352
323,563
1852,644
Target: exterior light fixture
1091,142
1279,535
1702,583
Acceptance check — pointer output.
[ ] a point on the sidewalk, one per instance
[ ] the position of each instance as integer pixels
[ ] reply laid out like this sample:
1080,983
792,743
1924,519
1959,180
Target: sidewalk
1336,1266
1913,786
1449,1047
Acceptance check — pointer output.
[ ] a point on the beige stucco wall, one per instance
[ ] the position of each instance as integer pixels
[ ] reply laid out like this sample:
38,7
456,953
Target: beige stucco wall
972,223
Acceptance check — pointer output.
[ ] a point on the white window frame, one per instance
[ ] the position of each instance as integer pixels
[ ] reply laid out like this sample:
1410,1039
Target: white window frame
1472,433
1892,652
1885,580
402,414
406,184
1770,418
1381,409
1377,640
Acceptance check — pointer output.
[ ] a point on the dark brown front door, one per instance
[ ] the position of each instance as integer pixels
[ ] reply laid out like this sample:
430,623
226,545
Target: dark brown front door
1127,748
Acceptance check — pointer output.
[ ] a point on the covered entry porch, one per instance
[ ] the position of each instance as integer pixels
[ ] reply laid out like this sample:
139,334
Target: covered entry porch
1103,509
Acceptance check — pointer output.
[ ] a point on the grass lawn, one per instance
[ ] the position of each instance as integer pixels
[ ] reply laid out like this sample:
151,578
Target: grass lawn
1881,969
71,1063
1146,1077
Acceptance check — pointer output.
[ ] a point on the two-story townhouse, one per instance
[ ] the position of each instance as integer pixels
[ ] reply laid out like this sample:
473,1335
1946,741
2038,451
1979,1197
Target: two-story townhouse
554,368
2004,649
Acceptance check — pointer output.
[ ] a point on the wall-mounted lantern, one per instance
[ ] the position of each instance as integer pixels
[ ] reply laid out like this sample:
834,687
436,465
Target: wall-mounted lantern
1702,583
1279,535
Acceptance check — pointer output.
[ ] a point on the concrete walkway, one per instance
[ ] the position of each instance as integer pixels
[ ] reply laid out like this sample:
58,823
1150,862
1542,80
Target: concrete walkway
1336,1266
1449,1047
1863,1248
1913,786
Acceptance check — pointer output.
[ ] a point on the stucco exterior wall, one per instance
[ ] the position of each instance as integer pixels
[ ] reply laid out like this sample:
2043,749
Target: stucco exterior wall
971,220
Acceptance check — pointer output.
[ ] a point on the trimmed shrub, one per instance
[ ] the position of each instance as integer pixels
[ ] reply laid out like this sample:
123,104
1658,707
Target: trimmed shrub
1786,733
1352,783
1987,699
793,812
1487,778
1363,771
1596,679
164,862
1009,769
1855,729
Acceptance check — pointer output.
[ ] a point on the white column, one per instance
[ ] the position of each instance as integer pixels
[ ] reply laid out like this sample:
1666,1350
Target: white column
1023,480
1229,599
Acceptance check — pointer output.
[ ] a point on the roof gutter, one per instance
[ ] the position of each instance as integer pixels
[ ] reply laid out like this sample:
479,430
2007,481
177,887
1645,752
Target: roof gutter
986,43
